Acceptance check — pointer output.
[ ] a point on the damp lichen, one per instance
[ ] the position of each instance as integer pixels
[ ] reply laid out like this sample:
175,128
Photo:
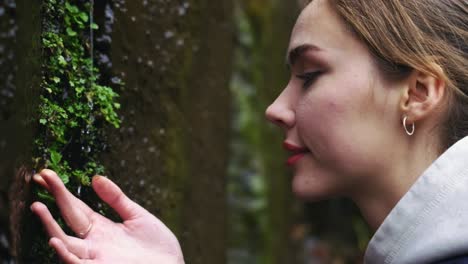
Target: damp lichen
74,107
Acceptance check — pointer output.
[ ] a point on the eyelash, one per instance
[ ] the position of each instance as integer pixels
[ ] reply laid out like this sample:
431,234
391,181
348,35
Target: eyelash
308,78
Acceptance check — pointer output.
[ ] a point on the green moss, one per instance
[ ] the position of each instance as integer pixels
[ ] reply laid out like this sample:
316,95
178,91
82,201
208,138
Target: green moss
74,107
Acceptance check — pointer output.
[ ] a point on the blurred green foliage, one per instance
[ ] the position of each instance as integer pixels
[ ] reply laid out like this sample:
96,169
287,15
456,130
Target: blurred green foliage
258,222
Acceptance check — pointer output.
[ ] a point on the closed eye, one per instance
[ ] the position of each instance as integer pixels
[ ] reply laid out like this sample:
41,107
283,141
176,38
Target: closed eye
308,78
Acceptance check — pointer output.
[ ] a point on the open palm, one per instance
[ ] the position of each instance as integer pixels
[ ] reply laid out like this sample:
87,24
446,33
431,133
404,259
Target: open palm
140,238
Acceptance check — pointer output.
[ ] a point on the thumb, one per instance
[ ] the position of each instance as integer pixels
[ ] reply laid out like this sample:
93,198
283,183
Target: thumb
110,193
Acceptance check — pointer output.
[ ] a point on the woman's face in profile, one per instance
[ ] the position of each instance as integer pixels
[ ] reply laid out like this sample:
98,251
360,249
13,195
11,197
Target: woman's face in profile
337,107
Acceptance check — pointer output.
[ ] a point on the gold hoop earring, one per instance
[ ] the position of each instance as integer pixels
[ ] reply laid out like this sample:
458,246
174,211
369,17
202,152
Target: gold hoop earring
410,133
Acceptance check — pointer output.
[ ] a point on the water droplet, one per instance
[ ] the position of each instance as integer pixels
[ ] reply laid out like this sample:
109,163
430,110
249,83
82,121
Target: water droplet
116,80
145,140
122,163
105,39
152,149
162,131
180,42
133,18
169,34
142,183
181,10
109,13
104,59
4,241
150,63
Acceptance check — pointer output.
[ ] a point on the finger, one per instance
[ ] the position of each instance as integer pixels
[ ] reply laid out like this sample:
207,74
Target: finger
39,180
51,226
74,211
79,247
63,252
110,193
56,187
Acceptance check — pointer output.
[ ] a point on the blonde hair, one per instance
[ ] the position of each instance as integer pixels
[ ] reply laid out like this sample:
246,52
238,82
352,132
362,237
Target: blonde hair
424,35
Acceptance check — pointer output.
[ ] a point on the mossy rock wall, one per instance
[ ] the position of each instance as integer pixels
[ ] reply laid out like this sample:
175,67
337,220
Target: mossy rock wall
170,152
8,29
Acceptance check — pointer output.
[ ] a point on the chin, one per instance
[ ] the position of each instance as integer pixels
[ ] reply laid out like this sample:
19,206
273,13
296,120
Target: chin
311,189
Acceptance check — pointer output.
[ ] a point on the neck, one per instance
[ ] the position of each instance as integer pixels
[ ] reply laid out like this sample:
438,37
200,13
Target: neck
379,197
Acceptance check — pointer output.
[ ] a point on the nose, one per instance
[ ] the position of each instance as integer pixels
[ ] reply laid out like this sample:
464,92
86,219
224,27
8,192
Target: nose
281,113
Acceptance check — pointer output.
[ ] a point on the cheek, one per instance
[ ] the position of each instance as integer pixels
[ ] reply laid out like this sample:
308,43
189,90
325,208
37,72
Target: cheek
332,121
321,115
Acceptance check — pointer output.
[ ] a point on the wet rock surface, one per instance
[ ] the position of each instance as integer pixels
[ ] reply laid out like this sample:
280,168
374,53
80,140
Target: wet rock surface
170,154
8,30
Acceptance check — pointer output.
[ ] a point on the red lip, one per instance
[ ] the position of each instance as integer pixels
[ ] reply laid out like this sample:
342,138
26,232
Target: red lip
297,153
294,158
294,148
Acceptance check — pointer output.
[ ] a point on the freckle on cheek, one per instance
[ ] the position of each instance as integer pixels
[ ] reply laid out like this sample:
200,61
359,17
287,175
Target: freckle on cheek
334,107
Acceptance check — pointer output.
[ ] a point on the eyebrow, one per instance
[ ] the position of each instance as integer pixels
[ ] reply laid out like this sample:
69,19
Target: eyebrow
295,53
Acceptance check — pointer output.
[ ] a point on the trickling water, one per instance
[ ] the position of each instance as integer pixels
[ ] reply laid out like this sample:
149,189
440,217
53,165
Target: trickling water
91,35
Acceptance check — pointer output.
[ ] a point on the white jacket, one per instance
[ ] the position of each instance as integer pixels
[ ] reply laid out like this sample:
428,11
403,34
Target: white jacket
430,222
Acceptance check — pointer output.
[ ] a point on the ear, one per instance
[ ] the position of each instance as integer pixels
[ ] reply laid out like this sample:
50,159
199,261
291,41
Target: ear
422,95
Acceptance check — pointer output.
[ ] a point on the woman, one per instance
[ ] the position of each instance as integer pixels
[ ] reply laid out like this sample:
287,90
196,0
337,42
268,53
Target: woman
376,110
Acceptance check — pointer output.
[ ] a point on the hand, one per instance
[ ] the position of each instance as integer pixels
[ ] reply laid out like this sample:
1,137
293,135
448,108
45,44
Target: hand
140,238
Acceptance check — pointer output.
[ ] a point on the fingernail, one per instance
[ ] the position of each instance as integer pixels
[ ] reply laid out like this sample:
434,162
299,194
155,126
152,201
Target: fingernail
100,176
37,177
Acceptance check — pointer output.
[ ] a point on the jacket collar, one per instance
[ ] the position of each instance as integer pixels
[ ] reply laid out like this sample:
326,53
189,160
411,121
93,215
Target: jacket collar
430,222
